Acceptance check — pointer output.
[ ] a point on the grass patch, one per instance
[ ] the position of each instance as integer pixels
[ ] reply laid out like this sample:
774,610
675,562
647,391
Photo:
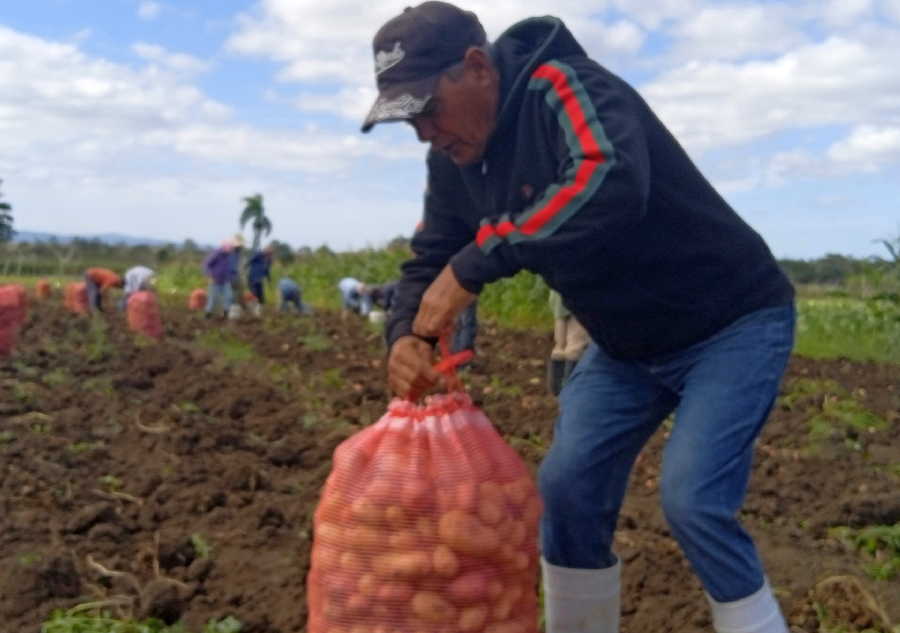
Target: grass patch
879,545
228,346
849,328
833,413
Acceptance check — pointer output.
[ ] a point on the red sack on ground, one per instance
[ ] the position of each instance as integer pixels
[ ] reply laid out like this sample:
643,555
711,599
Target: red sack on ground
42,289
249,297
143,314
75,297
197,300
13,307
427,523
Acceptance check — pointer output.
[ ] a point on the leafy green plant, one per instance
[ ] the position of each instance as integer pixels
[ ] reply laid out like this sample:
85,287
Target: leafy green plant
315,342
231,348
111,482
878,544
201,546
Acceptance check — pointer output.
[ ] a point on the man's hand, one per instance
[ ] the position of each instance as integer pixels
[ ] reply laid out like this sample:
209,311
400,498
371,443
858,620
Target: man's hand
441,304
409,367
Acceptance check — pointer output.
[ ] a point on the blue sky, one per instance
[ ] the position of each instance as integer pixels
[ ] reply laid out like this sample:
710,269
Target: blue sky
156,118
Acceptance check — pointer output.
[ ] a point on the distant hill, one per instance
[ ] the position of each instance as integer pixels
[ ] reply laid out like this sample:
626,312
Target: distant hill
108,238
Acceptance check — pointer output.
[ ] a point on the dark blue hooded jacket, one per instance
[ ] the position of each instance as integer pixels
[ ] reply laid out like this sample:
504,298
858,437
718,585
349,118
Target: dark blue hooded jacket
582,184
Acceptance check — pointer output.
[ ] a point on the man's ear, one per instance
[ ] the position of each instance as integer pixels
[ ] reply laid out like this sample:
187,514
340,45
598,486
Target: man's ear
478,62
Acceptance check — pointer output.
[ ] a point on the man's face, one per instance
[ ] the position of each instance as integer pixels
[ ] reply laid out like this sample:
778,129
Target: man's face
459,118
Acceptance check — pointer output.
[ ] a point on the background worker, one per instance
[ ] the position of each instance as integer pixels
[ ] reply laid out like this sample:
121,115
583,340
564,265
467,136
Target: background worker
137,278
96,282
291,297
355,296
569,343
218,268
259,268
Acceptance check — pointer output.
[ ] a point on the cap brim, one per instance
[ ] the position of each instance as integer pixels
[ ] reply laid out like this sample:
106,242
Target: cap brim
401,102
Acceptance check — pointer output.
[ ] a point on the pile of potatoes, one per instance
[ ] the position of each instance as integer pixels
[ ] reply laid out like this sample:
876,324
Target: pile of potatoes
143,314
75,297
197,299
42,289
426,525
13,307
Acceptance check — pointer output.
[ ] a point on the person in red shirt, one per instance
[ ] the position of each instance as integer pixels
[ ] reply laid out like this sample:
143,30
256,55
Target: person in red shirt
97,281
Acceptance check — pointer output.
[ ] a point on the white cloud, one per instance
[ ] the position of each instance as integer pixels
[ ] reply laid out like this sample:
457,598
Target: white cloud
836,82
149,10
331,42
845,12
891,9
61,104
734,32
867,148
179,62
653,15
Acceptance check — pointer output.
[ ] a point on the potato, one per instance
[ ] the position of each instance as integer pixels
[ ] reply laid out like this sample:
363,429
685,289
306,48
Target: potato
366,510
426,528
491,490
367,584
469,587
329,533
431,607
532,510
515,533
494,589
404,540
517,491
358,603
415,494
503,608
396,517
445,562
464,533
402,565
326,557
490,512
472,618
363,537
396,591
519,562
351,562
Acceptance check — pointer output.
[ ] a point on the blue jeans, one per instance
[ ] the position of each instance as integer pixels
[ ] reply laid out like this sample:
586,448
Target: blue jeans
466,329
94,294
721,391
258,288
218,294
356,302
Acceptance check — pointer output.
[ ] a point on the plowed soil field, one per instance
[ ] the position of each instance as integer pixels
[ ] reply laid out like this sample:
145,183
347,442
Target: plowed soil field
200,459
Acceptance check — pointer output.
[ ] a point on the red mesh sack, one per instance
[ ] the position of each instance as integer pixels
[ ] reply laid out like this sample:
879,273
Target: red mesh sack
75,298
13,307
143,314
427,523
197,300
42,289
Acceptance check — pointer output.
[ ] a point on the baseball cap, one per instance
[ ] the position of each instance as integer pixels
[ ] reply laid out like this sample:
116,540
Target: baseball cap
412,50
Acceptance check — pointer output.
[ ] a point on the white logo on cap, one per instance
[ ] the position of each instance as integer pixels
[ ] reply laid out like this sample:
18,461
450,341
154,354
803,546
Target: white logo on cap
402,107
388,59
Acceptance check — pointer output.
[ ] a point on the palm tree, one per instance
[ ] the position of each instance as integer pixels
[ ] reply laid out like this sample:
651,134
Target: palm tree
6,221
255,213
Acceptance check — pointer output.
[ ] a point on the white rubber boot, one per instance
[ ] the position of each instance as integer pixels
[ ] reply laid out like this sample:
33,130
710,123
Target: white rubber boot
757,613
581,600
